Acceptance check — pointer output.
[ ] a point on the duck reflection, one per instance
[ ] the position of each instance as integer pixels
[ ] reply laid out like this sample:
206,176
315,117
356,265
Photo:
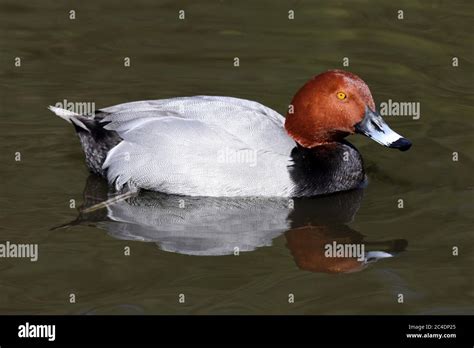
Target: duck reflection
220,226
309,246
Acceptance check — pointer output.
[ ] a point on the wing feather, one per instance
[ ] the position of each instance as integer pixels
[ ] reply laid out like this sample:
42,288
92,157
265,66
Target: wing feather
201,147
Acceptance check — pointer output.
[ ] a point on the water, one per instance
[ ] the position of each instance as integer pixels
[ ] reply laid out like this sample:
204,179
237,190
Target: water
82,60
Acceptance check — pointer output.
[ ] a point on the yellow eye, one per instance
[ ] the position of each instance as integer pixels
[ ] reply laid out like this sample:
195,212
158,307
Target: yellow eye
341,95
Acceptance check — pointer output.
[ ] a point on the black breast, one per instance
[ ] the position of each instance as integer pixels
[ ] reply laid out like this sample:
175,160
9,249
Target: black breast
326,169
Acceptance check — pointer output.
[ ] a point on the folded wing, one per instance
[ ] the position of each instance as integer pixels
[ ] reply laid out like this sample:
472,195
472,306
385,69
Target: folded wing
200,146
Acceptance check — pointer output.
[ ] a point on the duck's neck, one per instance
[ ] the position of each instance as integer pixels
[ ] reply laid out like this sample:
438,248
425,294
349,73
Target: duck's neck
326,168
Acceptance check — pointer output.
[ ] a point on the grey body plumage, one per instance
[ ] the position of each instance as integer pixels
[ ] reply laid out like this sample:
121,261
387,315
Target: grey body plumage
189,146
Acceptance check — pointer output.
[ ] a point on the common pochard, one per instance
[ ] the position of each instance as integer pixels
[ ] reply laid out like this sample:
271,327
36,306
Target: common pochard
225,147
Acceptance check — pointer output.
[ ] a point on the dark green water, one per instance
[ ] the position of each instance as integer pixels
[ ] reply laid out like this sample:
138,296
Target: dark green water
82,60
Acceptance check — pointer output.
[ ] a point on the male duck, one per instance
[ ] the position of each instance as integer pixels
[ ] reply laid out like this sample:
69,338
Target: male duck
223,146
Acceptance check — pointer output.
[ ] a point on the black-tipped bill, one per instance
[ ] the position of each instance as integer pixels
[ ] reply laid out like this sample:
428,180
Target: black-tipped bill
374,127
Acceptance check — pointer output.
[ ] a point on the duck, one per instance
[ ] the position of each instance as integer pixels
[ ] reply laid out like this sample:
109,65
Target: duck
218,146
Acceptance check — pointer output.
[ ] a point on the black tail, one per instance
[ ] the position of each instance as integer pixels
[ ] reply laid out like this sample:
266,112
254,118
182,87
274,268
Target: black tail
96,141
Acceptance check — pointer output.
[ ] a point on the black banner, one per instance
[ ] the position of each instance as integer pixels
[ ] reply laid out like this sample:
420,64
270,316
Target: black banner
223,330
